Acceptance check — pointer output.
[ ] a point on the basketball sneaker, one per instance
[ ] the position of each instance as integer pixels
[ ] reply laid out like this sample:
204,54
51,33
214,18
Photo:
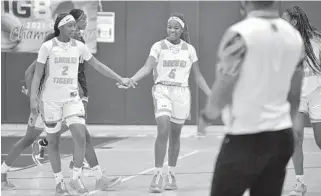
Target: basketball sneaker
156,185
170,182
5,183
61,189
78,186
104,182
38,152
299,189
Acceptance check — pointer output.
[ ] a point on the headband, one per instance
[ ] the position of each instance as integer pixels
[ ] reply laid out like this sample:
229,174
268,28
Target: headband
65,20
180,21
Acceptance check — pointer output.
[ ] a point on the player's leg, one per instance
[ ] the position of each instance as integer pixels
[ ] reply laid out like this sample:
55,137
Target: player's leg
317,133
52,116
33,132
102,181
271,179
74,117
315,115
180,97
299,187
85,164
163,108
38,146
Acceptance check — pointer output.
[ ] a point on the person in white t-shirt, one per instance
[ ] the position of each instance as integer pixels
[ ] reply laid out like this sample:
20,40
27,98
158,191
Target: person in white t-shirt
310,103
54,90
258,82
171,60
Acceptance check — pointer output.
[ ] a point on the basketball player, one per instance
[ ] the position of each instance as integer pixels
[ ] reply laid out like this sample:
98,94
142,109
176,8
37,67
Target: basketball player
258,79
171,60
55,81
310,103
39,146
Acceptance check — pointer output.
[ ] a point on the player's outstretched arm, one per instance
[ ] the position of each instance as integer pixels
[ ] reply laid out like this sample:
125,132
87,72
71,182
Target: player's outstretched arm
107,72
145,70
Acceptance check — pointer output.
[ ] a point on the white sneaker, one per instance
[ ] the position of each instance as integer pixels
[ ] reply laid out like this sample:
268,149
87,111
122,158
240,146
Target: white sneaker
299,189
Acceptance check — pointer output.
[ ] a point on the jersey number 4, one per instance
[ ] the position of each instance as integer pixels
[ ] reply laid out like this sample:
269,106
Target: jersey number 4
172,74
64,70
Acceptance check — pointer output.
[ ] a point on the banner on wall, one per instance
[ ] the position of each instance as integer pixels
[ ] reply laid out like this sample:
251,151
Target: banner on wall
25,24
106,27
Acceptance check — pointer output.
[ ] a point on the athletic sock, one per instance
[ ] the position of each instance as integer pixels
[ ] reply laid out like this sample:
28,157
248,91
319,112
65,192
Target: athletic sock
158,170
97,172
76,172
300,178
171,169
58,177
4,167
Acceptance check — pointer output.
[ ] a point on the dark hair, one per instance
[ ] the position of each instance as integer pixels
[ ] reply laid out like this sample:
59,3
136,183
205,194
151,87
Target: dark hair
185,34
58,19
307,32
76,13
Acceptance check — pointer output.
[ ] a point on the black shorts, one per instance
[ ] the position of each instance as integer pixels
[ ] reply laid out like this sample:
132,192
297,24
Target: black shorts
254,161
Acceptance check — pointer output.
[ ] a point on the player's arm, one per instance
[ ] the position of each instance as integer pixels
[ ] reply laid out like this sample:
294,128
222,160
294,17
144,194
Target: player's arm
295,89
39,70
149,64
29,75
232,51
83,84
102,68
199,79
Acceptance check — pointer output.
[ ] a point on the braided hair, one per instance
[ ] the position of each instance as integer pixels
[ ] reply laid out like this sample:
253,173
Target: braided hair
185,34
307,32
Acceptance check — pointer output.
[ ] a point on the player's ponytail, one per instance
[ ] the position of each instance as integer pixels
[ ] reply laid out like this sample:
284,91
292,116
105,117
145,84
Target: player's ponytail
185,34
307,33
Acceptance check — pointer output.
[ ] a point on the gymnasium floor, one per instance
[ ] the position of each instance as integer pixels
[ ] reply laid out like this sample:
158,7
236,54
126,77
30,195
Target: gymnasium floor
128,152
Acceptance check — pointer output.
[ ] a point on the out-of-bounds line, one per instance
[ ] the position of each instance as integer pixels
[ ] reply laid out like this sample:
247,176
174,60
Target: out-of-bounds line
151,169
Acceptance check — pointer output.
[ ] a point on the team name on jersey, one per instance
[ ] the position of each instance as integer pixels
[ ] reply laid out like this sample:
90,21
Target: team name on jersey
57,80
174,63
67,60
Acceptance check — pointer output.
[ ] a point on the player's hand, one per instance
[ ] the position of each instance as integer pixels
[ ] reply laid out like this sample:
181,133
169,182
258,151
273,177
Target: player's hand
126,83
24,90
33,105
203,122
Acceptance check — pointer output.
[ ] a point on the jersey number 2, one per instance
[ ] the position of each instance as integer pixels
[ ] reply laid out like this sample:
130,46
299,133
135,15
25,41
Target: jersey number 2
172,74
64,70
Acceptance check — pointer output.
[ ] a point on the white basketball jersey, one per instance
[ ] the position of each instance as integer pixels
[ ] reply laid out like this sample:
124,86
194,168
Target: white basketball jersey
61,71
174,62
274,49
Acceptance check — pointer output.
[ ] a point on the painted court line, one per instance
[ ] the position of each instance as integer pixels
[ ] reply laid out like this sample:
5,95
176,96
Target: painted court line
19,155
151,169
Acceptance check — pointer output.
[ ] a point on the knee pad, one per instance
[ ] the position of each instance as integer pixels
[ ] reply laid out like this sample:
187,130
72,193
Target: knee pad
75,120
53,127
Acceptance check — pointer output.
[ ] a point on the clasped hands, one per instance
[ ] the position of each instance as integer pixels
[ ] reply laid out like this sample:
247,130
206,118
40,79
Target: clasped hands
126,83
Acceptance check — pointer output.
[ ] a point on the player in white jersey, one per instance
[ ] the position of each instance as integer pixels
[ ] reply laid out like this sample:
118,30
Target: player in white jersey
310,103
171,61
258,79
56,81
